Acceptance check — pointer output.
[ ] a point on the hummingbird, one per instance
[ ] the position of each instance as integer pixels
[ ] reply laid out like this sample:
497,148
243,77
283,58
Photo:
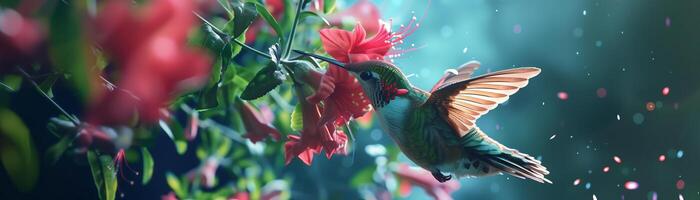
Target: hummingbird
437,130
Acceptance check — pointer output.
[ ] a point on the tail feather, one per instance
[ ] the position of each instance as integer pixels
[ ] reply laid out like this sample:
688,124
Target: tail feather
481,148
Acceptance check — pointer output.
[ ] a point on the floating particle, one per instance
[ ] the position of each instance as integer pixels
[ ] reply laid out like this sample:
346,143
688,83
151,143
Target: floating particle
662,158
675,106
631,185
563,96
667,22
598,43
588,185
517,29
665,91
617,159
638,118
584,13
653,195
679,154
680,184
594,197
465,50
553,136
680,197
601,92
577,181
606,169
618,117
650,106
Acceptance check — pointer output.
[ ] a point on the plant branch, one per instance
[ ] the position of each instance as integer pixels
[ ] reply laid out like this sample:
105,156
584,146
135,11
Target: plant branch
221,33
290,39
38,89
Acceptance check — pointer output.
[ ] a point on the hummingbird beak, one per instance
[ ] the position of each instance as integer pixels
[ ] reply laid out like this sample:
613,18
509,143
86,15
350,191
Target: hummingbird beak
323,58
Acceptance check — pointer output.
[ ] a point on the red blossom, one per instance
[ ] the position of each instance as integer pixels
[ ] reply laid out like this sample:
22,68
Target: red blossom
363,12
149,47
169,196
240,196
257,126
314,138
19,37
425,180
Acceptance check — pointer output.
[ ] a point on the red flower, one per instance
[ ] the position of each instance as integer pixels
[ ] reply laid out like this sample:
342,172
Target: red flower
240,196
423,178
169,196
363,12
314,138
150,50
342,95
256,124
19,37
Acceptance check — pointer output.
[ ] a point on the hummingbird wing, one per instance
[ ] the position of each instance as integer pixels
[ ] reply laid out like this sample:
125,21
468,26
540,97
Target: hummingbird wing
452,76
461,99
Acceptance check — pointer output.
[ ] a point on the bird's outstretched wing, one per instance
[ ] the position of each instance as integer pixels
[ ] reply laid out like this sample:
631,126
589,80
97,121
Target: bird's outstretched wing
462,99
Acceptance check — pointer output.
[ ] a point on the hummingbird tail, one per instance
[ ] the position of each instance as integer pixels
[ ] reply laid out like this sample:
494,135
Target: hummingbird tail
495,157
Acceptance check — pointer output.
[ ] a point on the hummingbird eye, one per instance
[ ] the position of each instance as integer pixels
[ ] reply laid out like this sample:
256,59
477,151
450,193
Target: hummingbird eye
366,75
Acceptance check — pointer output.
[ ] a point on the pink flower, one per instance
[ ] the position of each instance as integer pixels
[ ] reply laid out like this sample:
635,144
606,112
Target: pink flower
169,196
363,12
150,50
240,196
423,178
256,124
341,93
19,37
314,137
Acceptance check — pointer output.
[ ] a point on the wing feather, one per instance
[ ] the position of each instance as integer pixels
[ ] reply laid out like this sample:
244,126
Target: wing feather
462,100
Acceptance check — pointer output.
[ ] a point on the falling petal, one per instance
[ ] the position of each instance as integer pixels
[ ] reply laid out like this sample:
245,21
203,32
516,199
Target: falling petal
606,169
680,184
662,158
631,185
665,91
577,181
563,96
617,159
553,136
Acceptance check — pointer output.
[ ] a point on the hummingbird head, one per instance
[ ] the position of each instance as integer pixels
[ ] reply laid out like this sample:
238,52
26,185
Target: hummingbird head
380,80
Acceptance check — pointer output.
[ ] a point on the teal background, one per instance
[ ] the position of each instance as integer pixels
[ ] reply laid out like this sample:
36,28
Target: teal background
622,46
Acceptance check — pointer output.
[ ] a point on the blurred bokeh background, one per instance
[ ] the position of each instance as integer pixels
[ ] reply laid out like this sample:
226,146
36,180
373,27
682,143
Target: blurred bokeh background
620,79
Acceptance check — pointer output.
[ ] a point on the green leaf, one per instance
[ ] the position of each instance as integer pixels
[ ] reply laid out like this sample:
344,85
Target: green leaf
267,79
270,20
176,133
328,6
104,174
306,14
17,152
244,15
54,153
224,148
363,177
47,84
147,165
11,82
175,184
297,119
68,49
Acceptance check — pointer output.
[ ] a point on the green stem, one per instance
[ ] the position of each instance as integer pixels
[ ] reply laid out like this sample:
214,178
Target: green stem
36,86
221,33
290,39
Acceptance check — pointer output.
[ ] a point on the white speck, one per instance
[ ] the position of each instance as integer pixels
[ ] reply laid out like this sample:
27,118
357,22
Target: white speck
553,136
680,197
464,50
584,13
594,197
618,117
543,103
496,10
577,53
